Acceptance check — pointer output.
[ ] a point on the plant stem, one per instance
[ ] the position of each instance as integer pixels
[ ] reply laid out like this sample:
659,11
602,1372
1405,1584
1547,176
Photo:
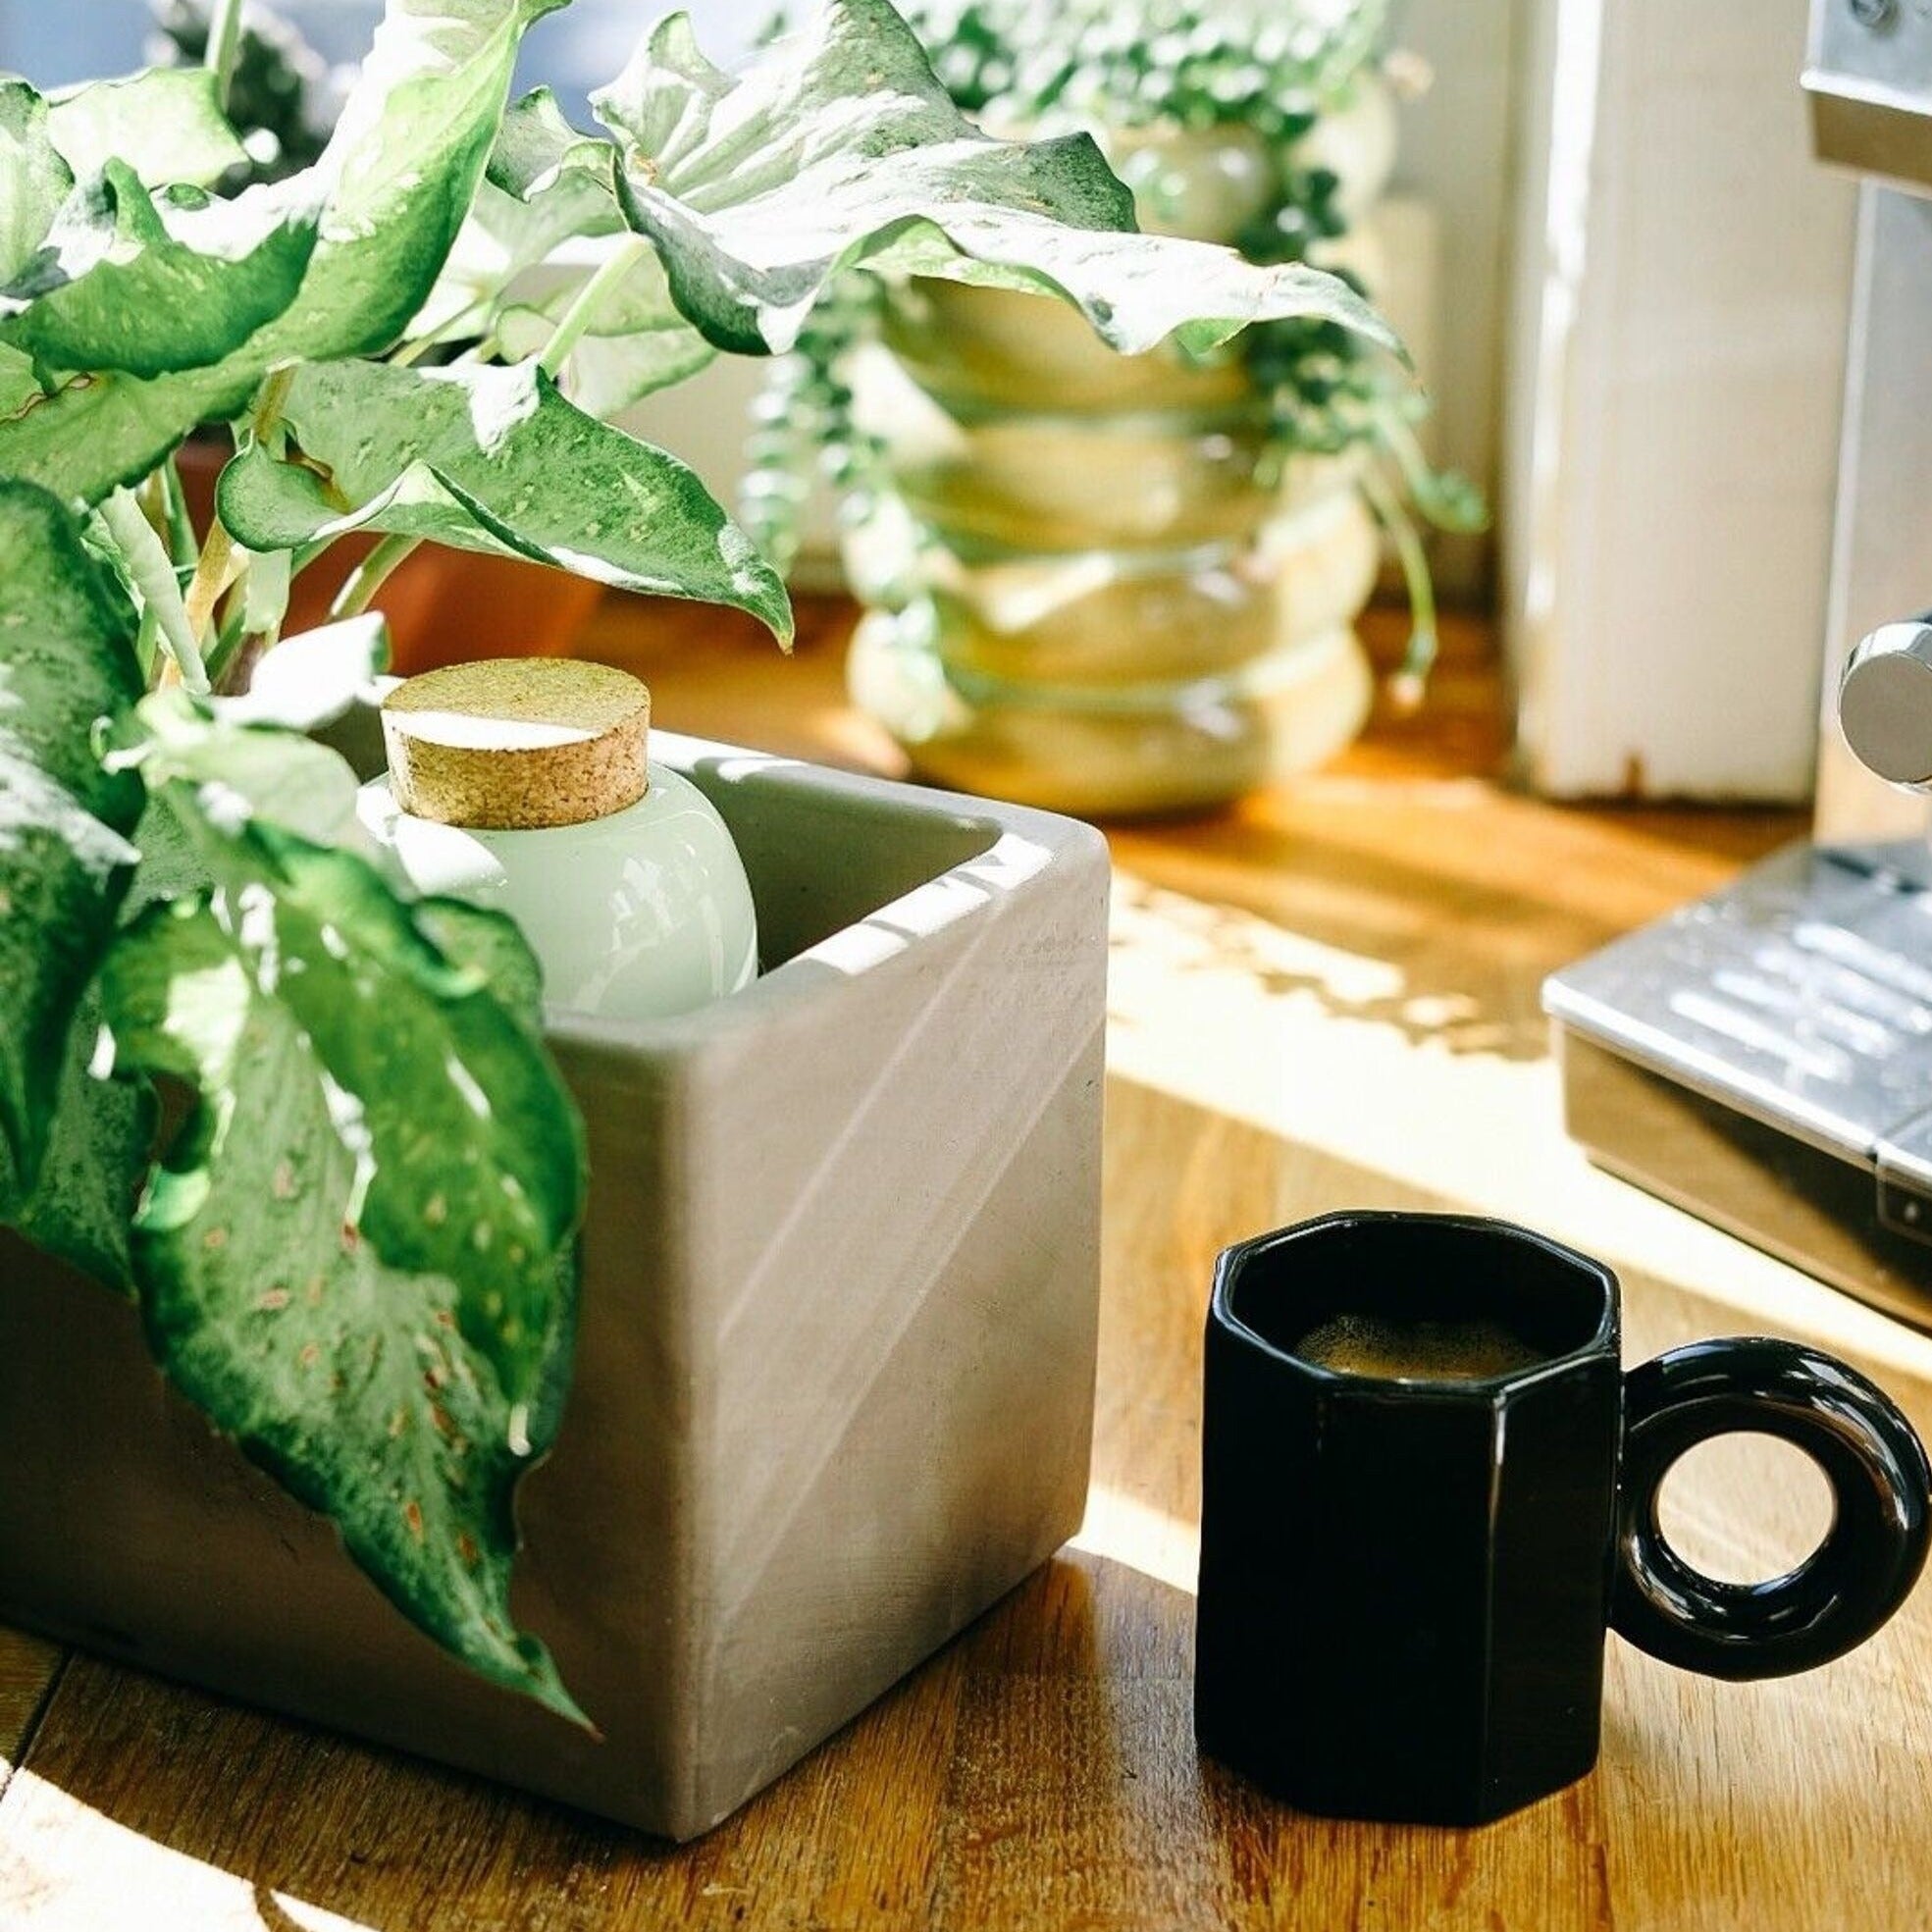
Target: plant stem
581,313
153,572
210,577
180,526
265,594
145,646
148,494
304,554
369,576
1408,684
450,331
213,572
224,42
411,352
1443,497
232,644
270,401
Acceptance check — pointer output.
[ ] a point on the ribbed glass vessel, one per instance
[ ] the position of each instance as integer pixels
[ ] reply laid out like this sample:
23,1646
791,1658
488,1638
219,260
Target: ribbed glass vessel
1084,595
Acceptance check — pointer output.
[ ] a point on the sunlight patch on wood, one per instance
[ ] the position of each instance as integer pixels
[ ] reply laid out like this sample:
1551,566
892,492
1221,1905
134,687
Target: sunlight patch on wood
1215,1005
1125,1529
65,1867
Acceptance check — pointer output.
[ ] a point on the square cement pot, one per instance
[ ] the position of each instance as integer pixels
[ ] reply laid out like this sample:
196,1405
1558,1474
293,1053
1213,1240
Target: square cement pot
834,1384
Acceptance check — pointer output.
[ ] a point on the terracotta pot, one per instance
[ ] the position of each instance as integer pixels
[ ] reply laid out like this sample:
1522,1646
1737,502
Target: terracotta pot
444,606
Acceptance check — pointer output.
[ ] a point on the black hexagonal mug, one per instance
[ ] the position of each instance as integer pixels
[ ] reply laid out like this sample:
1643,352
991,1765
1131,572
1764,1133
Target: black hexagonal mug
1428,1490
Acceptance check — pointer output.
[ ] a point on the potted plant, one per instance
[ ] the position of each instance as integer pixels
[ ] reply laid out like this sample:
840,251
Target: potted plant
797,1288
1127,585
442,605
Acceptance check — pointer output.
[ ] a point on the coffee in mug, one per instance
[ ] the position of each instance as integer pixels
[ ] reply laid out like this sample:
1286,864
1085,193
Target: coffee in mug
1417,1350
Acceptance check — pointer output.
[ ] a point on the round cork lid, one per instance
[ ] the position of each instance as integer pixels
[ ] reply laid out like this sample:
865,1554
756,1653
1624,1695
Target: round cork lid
517,743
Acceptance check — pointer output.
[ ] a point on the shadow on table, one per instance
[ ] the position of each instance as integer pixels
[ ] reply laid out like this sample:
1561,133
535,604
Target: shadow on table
1347,957
1434,912
1040,1771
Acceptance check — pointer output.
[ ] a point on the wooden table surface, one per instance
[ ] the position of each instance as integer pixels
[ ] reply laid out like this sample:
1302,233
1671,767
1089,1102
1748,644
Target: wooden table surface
1326,998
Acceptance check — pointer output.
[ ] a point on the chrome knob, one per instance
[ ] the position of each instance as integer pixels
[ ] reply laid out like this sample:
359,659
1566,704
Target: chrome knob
1885,703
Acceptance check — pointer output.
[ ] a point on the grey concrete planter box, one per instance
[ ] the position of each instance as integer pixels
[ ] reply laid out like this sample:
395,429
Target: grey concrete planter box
835,1370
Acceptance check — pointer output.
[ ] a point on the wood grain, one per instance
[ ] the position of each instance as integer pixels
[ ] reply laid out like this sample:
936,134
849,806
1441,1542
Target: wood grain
28,1668
1326,998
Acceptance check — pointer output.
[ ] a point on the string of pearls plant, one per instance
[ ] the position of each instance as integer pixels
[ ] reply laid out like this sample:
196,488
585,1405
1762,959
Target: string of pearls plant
1274,74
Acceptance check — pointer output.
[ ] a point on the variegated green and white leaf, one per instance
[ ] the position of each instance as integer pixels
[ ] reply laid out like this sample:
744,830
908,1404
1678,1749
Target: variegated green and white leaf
166,123
837,148
496,460
18,385
403,165
310,681
67,672
397,180
246,770
125,281
98,1147
35,177
356,1256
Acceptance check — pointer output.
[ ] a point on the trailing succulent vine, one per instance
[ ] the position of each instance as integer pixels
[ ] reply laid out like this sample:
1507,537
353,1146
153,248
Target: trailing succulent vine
1272,72
804,419
350,1240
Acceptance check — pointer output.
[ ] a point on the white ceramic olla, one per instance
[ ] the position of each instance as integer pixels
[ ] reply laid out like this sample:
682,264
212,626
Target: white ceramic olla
523,785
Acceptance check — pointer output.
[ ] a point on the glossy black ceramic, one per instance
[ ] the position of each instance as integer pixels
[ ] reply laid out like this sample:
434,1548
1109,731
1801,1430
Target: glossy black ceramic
1405,1584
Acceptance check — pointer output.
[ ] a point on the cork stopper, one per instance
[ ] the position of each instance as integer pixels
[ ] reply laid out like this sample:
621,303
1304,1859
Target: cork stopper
517,743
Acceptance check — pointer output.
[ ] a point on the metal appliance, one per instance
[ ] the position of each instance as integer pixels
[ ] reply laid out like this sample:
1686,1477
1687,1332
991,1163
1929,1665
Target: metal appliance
1764,1056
